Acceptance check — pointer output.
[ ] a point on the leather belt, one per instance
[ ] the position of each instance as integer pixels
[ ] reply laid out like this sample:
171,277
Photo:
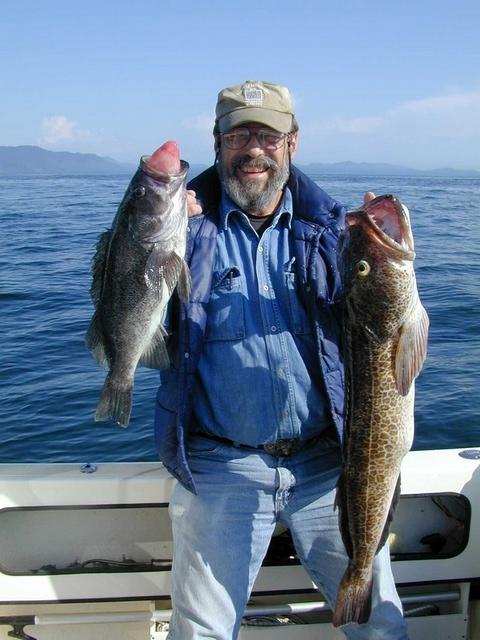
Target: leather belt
279,448
287,447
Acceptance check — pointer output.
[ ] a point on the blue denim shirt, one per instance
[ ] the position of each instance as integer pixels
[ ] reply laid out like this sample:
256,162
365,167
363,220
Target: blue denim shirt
258,378
316,225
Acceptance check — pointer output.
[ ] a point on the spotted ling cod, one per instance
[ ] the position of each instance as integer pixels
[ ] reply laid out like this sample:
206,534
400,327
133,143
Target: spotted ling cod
137,265
386,330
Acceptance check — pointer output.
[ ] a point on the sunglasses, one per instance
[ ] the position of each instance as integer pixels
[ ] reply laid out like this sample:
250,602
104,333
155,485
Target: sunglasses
267,139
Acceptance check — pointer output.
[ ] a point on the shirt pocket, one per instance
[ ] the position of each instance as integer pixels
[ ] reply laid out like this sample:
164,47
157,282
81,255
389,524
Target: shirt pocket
226,314
297,313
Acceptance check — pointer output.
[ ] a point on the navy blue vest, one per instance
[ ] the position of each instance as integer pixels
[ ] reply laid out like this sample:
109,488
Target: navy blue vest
317,223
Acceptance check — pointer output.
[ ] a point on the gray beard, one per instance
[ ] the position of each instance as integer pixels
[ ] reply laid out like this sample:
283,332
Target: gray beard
252,197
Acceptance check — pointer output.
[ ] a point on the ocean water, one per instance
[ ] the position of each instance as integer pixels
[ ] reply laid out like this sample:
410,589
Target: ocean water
49,383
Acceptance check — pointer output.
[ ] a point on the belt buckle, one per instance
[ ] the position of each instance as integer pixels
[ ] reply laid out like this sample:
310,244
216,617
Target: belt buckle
282,447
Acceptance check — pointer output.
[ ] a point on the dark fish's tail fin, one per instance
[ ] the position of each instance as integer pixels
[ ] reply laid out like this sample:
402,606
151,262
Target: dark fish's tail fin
354,598
115,402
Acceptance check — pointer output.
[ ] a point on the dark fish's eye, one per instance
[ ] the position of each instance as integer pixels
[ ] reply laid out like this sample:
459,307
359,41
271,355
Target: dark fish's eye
362,268
138,192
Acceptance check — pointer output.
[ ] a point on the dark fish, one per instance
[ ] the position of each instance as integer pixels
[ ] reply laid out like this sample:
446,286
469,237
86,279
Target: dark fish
386,330
136,267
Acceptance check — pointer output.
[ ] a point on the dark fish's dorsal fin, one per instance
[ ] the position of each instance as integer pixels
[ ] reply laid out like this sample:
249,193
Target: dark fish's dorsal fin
98,266
95,341
155,355
391,513
411,348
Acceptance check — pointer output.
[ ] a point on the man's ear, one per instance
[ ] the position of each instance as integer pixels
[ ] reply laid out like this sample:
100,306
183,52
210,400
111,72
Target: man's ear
293,144
216,145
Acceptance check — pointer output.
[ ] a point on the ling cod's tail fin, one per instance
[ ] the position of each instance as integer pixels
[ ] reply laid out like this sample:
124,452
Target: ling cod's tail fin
354,598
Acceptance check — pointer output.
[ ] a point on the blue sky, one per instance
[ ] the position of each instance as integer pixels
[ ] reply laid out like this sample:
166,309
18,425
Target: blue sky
372,81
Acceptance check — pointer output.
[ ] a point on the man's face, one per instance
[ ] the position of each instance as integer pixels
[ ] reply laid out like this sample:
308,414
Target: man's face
255,175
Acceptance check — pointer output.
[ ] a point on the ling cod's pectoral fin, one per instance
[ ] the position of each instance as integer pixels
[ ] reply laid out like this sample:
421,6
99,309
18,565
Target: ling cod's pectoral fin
411,349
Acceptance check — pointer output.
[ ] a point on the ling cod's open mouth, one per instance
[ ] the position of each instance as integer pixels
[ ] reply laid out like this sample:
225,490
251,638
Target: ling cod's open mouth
388,221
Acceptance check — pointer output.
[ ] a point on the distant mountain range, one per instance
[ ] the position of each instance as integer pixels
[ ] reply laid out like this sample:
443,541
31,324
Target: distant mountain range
32,160
382,169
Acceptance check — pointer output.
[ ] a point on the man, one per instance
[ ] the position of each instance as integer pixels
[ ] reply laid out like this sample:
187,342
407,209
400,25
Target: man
249,415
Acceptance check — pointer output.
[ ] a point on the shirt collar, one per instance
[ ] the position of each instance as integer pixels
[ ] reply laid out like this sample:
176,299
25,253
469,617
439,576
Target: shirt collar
228,206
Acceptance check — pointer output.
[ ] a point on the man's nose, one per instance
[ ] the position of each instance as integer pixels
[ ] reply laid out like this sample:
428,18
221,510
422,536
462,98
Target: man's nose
253,146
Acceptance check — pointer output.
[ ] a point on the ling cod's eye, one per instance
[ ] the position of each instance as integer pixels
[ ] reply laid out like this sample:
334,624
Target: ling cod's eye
362,268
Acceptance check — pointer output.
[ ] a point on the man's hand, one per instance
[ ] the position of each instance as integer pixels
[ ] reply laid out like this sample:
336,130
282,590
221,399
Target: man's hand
192,205
368,196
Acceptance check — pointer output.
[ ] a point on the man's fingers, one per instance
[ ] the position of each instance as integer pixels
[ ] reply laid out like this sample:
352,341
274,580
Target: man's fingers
192,205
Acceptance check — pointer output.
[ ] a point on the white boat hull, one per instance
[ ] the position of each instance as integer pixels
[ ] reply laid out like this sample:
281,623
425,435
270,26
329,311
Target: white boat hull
91,551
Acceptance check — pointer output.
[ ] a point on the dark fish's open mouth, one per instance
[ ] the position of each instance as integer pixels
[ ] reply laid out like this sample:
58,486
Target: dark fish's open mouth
388,220
163,177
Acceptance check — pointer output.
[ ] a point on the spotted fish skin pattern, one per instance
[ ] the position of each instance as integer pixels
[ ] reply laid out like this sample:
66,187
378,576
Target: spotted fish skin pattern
386,330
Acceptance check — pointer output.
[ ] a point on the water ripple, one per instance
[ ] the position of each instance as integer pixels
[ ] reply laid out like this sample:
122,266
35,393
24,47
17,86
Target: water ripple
49,383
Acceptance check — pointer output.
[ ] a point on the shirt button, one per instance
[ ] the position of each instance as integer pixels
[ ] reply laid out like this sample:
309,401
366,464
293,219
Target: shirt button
260,249
265,287
273,328
187,355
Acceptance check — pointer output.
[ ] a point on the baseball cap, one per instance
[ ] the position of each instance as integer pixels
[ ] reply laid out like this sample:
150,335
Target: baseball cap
255,101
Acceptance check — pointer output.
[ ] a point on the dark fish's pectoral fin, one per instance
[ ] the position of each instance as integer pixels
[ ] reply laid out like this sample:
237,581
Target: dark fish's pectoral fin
94,340
391,513
341,505
354,597
161,268
155,355
411,348
115,402
184,284
98,266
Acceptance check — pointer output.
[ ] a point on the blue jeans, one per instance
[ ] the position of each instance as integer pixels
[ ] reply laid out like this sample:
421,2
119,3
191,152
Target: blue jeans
222,534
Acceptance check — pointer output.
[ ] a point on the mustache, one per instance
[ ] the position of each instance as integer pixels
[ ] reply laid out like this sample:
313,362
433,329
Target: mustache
255,163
